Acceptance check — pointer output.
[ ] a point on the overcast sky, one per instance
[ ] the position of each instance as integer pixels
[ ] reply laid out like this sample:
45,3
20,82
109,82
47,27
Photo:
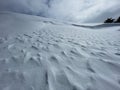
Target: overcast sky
71,10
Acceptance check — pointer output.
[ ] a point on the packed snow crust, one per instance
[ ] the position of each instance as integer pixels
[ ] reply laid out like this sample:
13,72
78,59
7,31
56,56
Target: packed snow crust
44,54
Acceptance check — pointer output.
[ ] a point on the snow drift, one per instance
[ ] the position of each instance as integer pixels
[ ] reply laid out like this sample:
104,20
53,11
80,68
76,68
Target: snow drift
43,54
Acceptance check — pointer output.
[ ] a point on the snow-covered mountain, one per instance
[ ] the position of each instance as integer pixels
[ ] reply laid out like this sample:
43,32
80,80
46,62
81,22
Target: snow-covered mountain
44,54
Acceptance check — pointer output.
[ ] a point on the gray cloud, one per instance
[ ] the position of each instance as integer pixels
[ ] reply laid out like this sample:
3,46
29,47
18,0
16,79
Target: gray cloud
71,10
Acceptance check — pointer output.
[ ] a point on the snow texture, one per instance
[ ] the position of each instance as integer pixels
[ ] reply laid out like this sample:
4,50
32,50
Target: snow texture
44,54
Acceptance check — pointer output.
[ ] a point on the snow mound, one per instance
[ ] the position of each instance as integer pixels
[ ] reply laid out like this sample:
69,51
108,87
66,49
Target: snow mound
99,26
43,54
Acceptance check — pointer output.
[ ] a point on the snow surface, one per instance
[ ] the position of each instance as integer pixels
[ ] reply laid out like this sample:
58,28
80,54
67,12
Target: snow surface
44,54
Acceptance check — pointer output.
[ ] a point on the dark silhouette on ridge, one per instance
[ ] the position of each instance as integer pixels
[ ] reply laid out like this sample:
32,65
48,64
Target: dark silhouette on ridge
118,20
109,20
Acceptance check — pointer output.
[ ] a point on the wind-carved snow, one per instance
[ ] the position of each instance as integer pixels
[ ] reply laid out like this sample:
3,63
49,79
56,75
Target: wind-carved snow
60,57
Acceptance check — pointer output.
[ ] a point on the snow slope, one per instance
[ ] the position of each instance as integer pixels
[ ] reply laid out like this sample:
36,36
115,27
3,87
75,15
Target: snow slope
44,54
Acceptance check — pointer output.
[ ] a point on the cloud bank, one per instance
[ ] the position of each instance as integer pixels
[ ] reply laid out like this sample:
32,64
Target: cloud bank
70,10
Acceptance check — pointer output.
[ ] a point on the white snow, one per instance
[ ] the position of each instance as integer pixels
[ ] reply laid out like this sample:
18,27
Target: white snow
44,54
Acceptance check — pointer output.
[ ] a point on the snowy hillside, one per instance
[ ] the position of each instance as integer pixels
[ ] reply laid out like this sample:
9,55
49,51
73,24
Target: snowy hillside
44,54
